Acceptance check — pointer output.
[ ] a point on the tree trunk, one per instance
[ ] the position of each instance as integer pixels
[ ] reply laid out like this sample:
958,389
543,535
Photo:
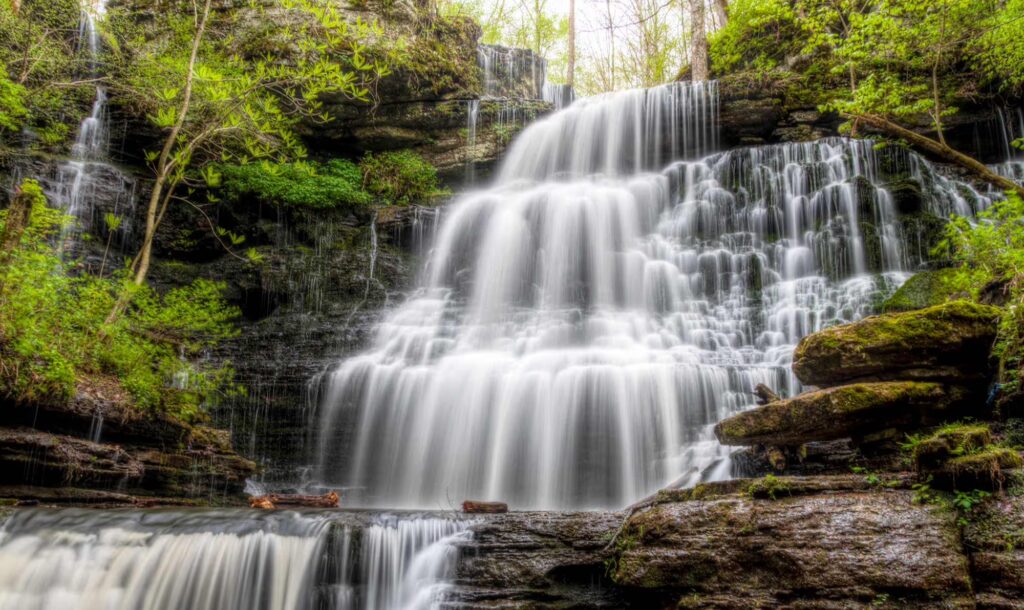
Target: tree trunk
938,149
271,501
570,76
699,44
163,166
721,9
470,506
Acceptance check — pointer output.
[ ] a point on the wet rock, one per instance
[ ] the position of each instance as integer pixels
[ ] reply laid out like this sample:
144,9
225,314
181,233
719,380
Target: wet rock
44,459
946,342
836,549
841,412
994,536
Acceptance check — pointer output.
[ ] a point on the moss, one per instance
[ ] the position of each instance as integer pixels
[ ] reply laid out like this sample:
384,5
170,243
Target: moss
770,487
948,442
954,334
924,289
990,462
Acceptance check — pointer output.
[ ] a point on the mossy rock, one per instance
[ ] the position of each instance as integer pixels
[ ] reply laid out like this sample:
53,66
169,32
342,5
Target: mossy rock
924,289
985,464
948,442
907,195
841,412
949,342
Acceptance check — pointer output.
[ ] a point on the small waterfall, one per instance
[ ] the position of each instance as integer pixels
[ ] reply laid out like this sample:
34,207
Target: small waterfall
559,96
511,73
224,560
618,133
1010,128
582,324
472,116
87,178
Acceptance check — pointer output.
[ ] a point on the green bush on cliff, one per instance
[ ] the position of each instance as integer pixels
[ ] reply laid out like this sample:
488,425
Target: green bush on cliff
991,251
400,178
759,35
54,335
337,183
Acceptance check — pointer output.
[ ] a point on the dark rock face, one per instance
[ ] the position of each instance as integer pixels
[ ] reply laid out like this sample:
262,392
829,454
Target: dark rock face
946,342
837,549
824,542
313,300
841,412
97,443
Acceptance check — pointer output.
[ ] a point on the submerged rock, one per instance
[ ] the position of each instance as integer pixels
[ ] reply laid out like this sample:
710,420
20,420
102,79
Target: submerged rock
841,412
947,342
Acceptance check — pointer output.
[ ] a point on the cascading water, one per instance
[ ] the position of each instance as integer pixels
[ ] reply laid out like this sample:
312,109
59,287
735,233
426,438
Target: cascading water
224,560
1011,129
87,178
584,322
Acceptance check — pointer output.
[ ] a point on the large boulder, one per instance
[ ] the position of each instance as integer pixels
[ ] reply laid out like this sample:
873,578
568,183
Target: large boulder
841,412
841,548
949,342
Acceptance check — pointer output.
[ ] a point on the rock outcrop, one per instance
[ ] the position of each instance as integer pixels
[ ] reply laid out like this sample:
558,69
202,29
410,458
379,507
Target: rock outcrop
842,541
842,412
949,342
97,448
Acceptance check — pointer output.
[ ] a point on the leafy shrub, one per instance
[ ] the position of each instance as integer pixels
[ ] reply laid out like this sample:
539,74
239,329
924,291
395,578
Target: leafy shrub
759,34
992,250
401,177
310,185
53,329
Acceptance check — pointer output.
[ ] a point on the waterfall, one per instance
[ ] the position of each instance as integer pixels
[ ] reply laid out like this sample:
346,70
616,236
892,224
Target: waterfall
1011,127
583,323
224,560
87,179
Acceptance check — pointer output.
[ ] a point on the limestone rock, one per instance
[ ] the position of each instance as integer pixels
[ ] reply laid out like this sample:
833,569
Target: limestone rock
946,342
843,549
840,412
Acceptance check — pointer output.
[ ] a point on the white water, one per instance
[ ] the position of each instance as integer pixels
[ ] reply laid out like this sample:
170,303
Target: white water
584,322
224,560
87,179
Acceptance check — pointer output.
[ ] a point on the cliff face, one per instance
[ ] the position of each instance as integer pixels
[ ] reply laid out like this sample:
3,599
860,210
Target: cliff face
99,449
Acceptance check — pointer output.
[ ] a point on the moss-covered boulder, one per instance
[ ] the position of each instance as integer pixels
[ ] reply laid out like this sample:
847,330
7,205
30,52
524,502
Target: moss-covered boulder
924,289
840,412
949,342
949,442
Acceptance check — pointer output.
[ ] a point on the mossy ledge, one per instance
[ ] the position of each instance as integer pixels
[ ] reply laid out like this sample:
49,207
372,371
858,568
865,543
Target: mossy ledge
948,342
841,412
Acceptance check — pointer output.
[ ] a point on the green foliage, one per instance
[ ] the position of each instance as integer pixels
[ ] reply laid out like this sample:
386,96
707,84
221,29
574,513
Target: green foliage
37,51
53,332
768,487
300,184
924,494
12,104
759,35
992,250
400,178
998,51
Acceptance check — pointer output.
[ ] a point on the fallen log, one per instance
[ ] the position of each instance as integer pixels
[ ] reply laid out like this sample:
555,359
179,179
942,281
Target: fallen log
469,506
270,501
939,149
